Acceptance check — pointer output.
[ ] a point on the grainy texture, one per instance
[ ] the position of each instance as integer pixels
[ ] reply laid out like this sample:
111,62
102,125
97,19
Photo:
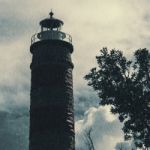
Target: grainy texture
51,109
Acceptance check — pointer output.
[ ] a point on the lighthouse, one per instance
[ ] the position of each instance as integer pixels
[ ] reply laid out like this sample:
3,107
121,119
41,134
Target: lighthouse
51,97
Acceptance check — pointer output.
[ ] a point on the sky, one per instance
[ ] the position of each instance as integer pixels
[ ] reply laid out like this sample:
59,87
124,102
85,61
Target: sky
93,24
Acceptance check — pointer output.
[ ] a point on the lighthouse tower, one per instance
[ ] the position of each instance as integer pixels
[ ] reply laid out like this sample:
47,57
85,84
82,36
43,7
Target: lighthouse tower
51,106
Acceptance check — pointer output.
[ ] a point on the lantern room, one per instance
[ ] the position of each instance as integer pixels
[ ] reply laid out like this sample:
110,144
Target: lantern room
51,30
51,23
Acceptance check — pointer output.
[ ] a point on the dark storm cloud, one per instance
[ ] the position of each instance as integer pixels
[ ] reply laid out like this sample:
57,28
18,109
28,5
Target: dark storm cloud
12,28
84,99
14,129
12,97
14,117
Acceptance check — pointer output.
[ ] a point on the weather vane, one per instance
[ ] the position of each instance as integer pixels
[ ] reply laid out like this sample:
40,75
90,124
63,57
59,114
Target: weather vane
51,14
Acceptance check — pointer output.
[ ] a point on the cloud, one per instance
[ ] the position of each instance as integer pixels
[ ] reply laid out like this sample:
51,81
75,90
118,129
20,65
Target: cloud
14,129
15,75
12,28
106,129
84,99
123,146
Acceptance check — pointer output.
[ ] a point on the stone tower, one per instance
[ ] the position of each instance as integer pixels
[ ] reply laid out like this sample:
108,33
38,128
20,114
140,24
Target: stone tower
51,106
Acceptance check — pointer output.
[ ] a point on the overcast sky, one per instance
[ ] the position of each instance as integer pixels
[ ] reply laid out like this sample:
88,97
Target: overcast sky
93,24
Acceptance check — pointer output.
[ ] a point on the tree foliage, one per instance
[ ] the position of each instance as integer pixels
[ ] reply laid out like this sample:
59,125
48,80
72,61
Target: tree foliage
125,86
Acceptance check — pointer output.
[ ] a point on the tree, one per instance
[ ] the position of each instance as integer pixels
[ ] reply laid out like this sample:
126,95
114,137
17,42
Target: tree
88,139
125,86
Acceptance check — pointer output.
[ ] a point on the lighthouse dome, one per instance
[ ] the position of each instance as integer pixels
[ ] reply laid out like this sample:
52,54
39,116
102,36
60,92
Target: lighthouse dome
51,22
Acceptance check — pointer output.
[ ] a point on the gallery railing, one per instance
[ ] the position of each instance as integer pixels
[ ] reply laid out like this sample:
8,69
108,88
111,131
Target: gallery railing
54,35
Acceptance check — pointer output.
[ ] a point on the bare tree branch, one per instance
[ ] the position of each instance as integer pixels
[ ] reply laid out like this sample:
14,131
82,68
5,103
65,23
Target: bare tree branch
88,139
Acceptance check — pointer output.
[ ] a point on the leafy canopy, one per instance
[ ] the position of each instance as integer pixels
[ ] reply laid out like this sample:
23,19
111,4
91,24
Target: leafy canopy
125,86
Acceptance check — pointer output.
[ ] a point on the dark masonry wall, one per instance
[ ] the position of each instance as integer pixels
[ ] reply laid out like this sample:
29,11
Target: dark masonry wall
51,108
